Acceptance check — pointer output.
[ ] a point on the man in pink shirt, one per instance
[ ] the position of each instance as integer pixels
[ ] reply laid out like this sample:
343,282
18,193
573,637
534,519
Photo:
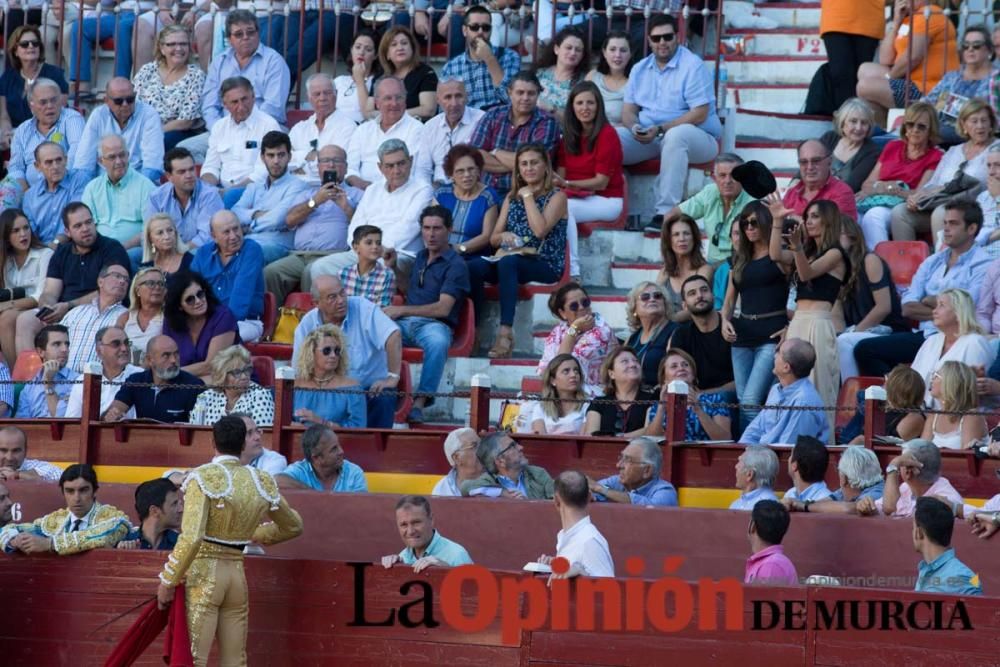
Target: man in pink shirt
817,182
913,474
769,565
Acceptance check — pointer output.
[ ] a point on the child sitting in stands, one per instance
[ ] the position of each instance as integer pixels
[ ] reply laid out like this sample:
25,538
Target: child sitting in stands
368,278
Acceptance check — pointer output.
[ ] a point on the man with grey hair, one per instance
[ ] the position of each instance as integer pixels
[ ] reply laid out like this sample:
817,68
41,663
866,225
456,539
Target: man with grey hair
324,467
326,127
913,474
114,353
860,477
793,361
816,181
507,472
638,480
393,205
756,470
104,311
454,125
45,200
117,197
364,150
460,451
715,207
136,122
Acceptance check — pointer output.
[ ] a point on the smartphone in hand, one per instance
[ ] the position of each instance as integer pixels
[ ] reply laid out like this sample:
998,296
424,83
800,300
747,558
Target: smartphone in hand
43,312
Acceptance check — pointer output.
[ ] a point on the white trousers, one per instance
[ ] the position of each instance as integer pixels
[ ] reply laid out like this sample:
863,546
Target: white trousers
846,343
875,224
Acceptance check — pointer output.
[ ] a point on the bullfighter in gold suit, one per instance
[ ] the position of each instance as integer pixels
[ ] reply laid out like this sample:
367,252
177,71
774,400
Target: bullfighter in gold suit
224,504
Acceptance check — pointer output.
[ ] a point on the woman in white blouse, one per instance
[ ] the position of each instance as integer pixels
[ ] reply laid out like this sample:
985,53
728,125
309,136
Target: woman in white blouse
959,338
355,90
233,369
563,408
145,315
25,261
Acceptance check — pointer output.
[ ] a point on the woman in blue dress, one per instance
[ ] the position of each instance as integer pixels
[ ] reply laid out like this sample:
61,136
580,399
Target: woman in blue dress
322,366
473,204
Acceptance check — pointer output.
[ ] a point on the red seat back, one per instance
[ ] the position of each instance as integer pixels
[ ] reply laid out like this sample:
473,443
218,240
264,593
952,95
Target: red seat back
903,258
270,316
300,300
848,396
263,367
27,366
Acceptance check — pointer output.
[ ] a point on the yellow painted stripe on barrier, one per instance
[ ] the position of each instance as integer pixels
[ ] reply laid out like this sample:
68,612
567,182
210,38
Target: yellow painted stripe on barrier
405,483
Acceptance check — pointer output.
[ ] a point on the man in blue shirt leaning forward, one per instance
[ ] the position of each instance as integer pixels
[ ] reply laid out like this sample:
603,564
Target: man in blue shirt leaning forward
424,545
638,480
940,571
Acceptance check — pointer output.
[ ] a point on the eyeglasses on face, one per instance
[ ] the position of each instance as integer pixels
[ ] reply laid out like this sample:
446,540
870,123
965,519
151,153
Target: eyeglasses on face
153,283
192,299
812,161
243,34
29,43
117,343
506,449
654,296
749,222
975,46
663,37
577,305
122,101
246,371
330,349
629,460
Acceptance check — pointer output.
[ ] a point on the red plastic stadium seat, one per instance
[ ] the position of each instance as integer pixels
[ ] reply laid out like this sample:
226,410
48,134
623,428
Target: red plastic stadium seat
270,321
461,343
264,369
27,366
652,167
297,116
108,43
301,301
405,401
531,384
270,317
903,258
848,396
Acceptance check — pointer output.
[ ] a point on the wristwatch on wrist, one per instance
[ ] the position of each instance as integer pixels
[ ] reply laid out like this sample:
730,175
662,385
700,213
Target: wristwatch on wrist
463,249
995,519
573,331
394,376
889,469
311,203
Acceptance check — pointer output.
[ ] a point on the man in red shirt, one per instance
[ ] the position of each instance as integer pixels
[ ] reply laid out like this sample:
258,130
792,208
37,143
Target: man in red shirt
816,182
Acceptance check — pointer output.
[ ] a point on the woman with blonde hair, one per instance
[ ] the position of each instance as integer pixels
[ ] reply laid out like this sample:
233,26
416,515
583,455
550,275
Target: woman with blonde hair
145,315
853,154
563,408
234,390
323,366
647,312
162,247
954,386
959,338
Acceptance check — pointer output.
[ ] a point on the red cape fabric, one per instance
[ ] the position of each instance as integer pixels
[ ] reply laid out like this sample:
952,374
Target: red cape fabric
146,628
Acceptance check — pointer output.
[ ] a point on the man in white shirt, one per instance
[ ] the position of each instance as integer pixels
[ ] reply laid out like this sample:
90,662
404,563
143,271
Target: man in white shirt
15,464
233,158
579,541
255,454
393,122
460,452
393,205
326,127
114,352
454,125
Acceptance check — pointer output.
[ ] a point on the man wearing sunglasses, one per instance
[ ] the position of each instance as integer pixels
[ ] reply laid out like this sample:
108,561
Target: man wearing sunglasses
669,112
486,70
114,353
174,391
136,122
507,473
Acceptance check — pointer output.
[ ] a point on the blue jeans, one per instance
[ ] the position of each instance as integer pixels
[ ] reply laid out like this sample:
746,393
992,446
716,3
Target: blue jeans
272,252
123,44
456,40
753,370
508,273
135,257
381,410
289,48
434,338
231,196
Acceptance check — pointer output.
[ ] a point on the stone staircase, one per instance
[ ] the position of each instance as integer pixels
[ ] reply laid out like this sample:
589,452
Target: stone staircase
768,82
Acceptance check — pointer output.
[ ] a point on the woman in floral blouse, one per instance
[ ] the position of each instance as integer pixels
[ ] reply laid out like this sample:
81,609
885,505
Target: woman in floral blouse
172,86
580,332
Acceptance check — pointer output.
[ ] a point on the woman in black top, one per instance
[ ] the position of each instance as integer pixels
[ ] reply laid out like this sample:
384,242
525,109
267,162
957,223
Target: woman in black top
821,267
760,285
647,312
871,303
398,54
616,413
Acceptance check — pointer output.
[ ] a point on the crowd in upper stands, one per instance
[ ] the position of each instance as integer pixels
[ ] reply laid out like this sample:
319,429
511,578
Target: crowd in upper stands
148,237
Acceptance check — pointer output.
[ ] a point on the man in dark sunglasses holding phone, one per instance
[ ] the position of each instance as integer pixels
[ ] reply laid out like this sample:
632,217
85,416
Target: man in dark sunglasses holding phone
669,112
486,70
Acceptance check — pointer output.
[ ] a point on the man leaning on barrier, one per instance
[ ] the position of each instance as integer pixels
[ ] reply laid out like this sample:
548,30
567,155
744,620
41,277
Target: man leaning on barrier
638,480
508,474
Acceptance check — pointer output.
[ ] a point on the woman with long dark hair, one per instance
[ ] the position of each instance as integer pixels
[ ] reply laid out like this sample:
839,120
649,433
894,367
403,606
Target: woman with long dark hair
611,73
25,261
356,90
200,325
760,285
400,57
680,246
561,65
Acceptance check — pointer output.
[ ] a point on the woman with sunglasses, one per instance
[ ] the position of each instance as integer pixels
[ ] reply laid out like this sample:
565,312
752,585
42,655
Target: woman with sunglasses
563,408
172,85
706,417
322,366
26,55
821,269
971,79
530,234
200,325
647,312
906,164
25,262
234,390
977,124
617,411
680,247
953,386
869,300
356,91
162,247
760,286
145,314
580,332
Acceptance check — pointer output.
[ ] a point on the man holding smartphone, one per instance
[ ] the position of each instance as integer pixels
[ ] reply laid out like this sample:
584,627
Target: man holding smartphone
669,112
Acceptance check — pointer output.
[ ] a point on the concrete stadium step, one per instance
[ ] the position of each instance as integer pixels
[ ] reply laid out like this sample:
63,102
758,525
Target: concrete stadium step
755,124
780,42
777,69
788,98
625,275
778,155
791,14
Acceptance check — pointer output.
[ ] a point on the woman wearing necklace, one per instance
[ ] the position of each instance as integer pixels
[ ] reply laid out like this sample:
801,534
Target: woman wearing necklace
648,314
323,366
27,58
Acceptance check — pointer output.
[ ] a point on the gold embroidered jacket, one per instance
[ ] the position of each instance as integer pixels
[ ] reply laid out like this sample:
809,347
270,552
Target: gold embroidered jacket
107,525
224,504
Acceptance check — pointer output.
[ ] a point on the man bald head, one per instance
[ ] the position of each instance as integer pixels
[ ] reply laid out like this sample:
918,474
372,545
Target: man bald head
227,232
119,96
814,164
113,156
163,358
331,299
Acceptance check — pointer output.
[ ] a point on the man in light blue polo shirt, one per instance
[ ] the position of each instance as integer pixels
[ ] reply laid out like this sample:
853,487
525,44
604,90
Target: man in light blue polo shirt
136,122
669,112
425,546
324,467
45,200
374,343
189,201
756,470
940,571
